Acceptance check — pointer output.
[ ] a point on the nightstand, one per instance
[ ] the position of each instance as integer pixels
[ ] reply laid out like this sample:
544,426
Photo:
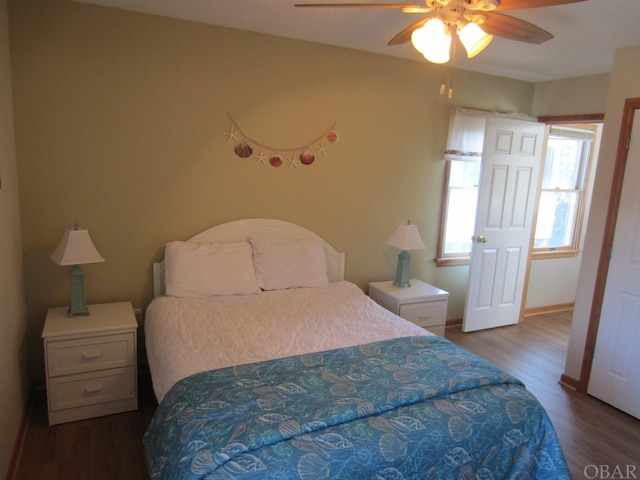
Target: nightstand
421,303
91,362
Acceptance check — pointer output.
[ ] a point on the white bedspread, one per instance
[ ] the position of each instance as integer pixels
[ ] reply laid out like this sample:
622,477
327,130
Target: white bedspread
188,335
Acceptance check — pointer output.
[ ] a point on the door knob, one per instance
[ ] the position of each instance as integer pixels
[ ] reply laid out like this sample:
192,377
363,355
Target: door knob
481,239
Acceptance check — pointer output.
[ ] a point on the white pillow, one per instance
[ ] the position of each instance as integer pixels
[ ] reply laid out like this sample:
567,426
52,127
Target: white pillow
288,263
205,269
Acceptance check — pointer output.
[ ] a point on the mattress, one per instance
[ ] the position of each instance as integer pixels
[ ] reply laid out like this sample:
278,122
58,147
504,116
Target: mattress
185,336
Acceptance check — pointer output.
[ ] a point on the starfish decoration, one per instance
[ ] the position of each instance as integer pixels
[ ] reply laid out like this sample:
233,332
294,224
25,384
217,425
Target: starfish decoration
293,161
322,148
233,131
262,158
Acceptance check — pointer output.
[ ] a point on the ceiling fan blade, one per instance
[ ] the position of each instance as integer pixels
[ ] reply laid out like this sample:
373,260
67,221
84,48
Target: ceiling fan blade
405,35
401,6
514,29
514,4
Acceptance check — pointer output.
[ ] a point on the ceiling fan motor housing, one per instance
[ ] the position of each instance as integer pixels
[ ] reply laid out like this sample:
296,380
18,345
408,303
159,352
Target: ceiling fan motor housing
481,5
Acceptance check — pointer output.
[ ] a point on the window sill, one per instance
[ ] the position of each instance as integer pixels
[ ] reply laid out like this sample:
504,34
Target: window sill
543,255
546,254
450,262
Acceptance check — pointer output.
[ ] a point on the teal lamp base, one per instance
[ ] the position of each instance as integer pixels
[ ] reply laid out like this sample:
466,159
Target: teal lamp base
78,300
402,270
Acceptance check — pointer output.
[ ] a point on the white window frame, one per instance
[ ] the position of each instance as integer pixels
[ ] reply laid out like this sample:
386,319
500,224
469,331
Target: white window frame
572,248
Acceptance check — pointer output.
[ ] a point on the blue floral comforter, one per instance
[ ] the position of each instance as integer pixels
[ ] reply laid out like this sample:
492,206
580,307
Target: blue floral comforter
408,408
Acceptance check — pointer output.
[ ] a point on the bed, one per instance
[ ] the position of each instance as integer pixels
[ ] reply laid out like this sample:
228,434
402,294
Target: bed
266,363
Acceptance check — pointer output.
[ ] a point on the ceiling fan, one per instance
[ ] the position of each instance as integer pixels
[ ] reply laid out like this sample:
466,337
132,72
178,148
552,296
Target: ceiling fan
475,22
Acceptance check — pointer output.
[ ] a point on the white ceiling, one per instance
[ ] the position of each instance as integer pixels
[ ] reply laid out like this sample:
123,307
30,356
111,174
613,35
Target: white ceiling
586,34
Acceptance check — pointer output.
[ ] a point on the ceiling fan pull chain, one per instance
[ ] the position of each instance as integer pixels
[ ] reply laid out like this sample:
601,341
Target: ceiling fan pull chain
453,63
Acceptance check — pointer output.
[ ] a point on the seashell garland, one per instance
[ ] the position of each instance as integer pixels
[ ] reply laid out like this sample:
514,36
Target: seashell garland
245,145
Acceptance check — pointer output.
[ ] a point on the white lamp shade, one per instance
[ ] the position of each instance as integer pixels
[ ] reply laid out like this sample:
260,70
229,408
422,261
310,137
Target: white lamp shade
406,237
433,40
76,248
474,39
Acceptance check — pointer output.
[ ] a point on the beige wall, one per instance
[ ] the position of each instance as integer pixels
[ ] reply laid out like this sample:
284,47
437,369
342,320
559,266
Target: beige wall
623,84
14,377
571,96
119,122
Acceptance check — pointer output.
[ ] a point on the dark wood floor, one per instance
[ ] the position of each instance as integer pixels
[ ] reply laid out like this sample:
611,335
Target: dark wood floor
104,448
591,432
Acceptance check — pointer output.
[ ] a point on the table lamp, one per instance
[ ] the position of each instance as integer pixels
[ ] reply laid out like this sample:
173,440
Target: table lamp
406,237
76,248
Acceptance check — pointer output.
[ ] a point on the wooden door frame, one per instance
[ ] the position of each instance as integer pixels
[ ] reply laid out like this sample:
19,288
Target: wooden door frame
630,107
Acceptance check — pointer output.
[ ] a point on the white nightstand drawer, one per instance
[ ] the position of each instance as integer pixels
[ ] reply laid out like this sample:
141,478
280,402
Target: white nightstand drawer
89,354
426,314
91,388
421,303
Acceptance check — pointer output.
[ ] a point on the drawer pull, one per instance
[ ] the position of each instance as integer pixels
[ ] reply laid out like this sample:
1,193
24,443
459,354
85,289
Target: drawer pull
423,317
93,389
90,355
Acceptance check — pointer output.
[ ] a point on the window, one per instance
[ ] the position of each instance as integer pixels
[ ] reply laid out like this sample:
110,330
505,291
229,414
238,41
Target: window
570,150
460,208
462,173
566,167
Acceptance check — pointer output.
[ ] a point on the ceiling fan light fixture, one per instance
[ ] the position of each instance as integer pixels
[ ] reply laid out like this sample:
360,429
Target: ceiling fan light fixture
433,40
474,39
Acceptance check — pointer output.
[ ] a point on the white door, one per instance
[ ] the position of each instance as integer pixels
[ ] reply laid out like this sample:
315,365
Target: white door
511,162
615,372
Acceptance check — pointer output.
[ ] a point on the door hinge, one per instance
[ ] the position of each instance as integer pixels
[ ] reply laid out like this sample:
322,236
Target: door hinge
610,250
628,143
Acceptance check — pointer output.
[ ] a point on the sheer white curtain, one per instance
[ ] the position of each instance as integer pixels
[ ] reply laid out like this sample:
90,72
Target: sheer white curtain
466,134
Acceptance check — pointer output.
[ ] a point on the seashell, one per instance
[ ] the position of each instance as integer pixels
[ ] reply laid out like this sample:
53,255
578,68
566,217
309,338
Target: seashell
333,440
514,438
243,150
244,464
312,467
276,161
365,409
307,157
191,449
459,429
270,403
391,473
333,136
342,389
202,462
516,412
289,428
404,376
470,408
392,448
456,457
290,387
407,423
272,418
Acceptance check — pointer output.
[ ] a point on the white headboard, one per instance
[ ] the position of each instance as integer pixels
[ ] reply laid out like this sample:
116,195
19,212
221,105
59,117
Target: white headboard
240,230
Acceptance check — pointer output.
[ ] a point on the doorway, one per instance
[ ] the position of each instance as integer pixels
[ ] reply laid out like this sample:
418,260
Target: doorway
614,319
